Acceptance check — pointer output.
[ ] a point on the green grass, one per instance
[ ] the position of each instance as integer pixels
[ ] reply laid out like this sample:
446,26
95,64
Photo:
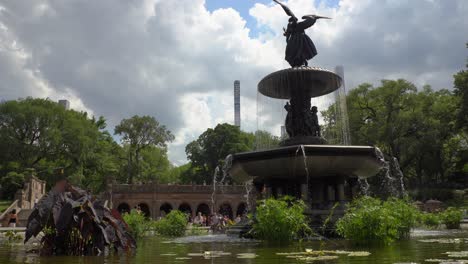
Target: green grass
4,205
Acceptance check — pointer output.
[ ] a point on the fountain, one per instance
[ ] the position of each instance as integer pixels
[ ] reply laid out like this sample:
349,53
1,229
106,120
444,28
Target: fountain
304,165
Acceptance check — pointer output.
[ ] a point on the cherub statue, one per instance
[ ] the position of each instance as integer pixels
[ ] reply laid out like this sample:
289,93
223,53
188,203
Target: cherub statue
300,47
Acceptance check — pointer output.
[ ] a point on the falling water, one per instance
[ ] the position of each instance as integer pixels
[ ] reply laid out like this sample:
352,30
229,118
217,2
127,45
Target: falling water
221,182
301,147
399,174
248,189
389,181
364,186
213,194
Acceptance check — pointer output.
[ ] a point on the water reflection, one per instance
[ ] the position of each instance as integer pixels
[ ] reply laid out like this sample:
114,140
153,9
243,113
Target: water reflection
156,250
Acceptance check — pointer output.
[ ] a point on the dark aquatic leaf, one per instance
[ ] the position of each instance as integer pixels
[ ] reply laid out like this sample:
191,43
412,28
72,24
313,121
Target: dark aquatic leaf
110,232
39,217
79,224
104,234
65,218
99,209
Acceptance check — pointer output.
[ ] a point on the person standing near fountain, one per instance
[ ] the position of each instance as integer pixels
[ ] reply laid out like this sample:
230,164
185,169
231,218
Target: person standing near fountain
300,47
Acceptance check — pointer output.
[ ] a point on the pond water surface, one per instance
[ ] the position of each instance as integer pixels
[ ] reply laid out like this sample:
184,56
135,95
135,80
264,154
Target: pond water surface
199,250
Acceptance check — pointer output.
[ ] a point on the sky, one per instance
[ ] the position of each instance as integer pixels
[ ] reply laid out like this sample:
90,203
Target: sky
176,60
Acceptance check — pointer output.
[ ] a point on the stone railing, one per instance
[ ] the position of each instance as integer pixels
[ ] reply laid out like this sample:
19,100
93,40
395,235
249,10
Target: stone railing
166,188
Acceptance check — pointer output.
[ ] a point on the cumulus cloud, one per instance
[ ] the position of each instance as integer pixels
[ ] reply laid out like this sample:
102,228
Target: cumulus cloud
176,60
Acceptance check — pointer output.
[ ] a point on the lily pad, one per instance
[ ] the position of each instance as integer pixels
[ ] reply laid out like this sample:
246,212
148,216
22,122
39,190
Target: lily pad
457,254
442,240
247,255
359,254
317,258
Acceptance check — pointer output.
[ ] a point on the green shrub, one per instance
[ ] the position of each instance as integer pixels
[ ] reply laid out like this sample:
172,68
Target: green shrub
137,222
173,225
371,220
452,217
197,230
280,220
430,220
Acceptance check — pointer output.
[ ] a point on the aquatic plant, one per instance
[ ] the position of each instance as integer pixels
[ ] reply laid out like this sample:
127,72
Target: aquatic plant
12,236
430,220
369,219
280,220
196,230
137,222
452,217
75,223
173,225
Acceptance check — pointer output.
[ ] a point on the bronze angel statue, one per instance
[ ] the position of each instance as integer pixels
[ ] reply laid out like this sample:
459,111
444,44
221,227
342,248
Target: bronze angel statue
299,47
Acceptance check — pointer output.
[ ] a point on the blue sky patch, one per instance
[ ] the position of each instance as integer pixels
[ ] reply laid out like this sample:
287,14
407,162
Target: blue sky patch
243,7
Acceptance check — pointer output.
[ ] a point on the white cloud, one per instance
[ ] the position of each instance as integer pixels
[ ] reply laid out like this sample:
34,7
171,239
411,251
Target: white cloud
175,60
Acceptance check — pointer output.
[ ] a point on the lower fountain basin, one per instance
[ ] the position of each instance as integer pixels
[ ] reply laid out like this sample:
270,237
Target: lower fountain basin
298,162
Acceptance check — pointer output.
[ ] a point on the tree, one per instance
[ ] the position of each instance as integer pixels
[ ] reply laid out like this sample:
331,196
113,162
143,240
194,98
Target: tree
265,140
212,147
41,134
11,183
461,90
140,133
416,127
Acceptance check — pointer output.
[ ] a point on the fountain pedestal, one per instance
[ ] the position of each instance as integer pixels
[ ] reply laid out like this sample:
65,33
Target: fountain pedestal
305,166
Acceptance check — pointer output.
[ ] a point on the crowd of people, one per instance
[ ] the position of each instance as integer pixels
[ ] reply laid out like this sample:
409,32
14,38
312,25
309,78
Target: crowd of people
216,221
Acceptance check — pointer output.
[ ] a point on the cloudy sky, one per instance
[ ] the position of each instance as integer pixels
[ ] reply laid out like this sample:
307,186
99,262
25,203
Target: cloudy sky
177,59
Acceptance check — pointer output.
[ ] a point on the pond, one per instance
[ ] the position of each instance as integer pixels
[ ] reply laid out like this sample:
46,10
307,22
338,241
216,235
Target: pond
222,249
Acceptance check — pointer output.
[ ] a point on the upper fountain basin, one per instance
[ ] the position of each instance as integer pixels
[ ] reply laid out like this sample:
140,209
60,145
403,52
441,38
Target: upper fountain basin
307,81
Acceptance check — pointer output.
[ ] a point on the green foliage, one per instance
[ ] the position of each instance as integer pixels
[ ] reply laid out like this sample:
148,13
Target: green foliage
11,183
42,135
172,225
369,219
212,147
197,230
419,128
430,220
140,134
13,236
4,205
280,220
137,222
461,90
265,140
452,217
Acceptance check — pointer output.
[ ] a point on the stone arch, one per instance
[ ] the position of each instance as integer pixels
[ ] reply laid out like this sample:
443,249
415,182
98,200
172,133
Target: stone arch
185,208
225,209
145,209
204,209
165,208
241,209
123,208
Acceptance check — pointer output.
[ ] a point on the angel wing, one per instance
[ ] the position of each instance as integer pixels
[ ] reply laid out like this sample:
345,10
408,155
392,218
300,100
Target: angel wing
285,8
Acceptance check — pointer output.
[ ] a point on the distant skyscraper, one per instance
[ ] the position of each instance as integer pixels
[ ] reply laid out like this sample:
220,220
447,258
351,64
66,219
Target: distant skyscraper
65,104
237,118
